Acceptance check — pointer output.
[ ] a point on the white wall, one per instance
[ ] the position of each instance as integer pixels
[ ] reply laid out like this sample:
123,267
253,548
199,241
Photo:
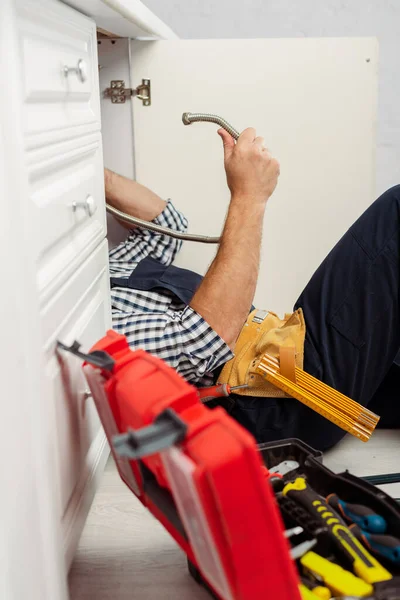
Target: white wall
308,18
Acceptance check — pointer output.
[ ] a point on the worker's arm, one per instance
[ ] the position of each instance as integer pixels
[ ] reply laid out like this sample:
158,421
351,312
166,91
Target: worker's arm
131,197
137,200
225,296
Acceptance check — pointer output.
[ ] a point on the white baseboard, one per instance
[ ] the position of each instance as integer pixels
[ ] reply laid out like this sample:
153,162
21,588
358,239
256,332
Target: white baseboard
81,500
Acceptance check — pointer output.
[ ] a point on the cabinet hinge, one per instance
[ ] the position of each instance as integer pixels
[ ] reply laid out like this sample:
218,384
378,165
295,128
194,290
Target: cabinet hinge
119,93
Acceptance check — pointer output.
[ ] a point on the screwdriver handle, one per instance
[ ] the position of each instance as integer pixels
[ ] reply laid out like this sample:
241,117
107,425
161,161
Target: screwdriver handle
340,581
363,563
214,391
361,515
386,546
307,594
317,589
275,479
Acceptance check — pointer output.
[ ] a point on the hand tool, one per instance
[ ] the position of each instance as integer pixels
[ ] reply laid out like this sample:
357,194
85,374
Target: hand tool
337,579
218,391
386,546
298,551
363,563
331,404
277,483
320,591
285,467
307,594
363,516
275,479
293,531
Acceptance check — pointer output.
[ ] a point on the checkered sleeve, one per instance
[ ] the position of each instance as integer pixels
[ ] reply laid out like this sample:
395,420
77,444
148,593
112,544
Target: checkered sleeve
142,243
182,338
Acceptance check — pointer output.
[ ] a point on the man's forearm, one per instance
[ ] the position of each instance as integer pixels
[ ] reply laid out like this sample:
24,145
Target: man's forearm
225,296
132,197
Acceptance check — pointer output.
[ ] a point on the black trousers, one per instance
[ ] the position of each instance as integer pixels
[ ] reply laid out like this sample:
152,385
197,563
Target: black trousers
352,312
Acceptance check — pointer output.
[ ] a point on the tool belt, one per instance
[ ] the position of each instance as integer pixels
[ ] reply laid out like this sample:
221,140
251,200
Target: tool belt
265,333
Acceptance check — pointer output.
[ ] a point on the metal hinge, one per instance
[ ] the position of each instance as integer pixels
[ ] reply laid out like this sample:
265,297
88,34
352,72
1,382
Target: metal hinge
119,93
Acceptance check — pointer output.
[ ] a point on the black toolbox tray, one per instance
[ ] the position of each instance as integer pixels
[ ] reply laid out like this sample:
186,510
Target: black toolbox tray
324,481
348,487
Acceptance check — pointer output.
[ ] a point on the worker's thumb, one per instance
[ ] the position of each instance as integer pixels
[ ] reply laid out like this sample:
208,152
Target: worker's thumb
228,142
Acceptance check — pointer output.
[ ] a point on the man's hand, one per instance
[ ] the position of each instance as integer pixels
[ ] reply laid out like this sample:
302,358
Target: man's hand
251,172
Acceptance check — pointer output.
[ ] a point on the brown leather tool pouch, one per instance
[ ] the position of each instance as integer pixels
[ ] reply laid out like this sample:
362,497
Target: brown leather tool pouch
265,333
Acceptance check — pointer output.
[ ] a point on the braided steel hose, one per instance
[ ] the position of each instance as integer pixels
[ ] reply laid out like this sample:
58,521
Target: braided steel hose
142,224
187,119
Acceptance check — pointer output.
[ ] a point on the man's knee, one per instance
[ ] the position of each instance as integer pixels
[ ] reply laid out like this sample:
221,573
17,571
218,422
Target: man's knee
379,224
389,201
394,191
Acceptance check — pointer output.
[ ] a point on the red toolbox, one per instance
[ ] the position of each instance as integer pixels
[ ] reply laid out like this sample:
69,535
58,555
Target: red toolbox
204,478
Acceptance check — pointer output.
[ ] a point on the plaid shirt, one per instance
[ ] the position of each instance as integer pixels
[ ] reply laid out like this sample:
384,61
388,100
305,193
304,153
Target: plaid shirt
159,322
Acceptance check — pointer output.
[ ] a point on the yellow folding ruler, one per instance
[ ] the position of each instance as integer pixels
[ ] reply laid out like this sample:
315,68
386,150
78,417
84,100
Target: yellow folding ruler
331,404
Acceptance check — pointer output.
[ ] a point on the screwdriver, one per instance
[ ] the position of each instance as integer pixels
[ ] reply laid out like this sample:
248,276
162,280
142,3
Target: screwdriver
363,563
297,551
318,590
363,516
285,467
307,594
386,546
275,479
218,391
340,581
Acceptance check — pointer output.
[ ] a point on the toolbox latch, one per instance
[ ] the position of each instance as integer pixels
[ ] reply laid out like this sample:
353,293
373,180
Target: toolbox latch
97,358
167,430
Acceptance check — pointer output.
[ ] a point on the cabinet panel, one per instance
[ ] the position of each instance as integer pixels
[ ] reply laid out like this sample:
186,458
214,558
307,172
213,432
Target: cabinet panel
81,311
57,103
67,207
314,101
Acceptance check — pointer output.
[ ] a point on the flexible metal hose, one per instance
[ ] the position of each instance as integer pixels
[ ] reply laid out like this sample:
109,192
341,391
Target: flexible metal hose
189,237
187,119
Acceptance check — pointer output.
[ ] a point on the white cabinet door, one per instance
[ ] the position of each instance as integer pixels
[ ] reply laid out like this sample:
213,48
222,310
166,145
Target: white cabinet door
78,311
314,101
66,206
59,72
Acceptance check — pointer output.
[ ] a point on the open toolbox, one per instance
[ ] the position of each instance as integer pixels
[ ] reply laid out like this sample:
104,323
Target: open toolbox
203,477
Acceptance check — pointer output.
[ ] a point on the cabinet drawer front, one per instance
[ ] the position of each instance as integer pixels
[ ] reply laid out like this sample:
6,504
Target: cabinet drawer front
67,208
79,311
57,103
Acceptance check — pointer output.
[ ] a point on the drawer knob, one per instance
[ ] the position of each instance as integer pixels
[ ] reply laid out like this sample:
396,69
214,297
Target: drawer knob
89,206
80,70
85,395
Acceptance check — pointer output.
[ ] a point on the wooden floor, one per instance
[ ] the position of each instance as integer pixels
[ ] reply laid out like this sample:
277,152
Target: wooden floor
124,554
